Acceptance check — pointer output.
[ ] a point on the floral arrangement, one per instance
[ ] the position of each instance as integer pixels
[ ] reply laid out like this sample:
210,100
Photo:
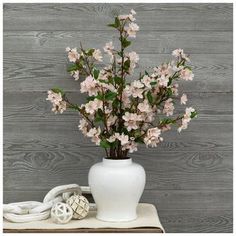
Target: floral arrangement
120,112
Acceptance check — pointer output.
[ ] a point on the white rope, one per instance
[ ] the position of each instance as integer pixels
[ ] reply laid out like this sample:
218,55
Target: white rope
28,211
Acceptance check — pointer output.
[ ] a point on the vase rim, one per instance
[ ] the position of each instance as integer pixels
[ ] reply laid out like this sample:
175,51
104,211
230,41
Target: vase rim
124,161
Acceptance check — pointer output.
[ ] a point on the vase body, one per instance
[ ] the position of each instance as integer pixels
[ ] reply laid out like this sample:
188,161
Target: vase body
116,186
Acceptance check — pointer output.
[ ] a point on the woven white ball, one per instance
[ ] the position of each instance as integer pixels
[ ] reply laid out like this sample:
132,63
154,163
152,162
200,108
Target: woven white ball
79,205
61,213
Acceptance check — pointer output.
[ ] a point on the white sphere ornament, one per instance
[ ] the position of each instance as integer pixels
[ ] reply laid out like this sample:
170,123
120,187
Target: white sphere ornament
79,205
61,213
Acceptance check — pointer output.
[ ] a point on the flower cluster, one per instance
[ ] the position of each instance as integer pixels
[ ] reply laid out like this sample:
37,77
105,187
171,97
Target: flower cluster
118,114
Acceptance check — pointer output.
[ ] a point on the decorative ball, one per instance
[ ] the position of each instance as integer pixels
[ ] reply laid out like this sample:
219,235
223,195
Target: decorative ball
61,213
79,205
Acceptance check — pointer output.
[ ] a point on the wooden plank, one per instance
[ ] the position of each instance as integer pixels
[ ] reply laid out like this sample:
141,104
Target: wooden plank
175,200
42,170
32,107
39,72
151,42
198,16
197,221
214,137
199,136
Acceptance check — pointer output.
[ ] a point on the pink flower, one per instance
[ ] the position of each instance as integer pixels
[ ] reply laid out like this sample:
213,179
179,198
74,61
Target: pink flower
147,81
144,106
168,107
83,126
132,30
90,86
131,120
92,106
186,74
60,107
111,120
183,99
73,55
180,53
152,137
54,98
164,70
124,139
131,146
134,57
163,81
75,74
186,119
94,135
97,55
136,89
174,89
108,48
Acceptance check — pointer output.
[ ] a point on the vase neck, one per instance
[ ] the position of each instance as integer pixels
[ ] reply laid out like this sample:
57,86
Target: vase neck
118,162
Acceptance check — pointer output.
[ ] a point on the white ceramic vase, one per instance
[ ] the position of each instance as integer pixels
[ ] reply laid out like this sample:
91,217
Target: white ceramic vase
116,186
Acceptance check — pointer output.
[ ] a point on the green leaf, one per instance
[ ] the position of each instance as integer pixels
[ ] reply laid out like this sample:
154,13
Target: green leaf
105,144
153,83
58,90
149,97
193,114
117,22
127,65
90,52
91,98
99,96
139,140
115,103
125,43
166,121
72,67
118,80
146,73
99,116
112,25
96,73
110,95
169,92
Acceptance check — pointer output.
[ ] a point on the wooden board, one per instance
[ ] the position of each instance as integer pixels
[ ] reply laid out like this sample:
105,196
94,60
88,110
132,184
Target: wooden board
205,17
151,42
40,72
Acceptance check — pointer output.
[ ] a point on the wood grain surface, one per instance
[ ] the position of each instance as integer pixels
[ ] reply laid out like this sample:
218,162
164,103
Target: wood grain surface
189,176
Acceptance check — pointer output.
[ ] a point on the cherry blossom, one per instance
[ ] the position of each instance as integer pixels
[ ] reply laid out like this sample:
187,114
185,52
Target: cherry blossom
97,55
93,106
186,74
183,99
73,55
152,137
108,48
168,107
131,120
132,29
89,85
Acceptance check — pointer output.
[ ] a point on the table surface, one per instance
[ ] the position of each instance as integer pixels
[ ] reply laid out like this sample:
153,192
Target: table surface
101,230
147,221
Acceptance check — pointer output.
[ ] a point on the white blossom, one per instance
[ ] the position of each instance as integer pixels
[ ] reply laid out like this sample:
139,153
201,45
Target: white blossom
73,55
97,55
183,99
168,107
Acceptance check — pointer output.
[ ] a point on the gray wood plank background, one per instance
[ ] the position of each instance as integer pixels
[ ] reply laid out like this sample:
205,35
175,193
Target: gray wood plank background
189,176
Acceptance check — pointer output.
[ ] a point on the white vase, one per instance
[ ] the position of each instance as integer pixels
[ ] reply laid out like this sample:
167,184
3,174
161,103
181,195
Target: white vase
116,186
